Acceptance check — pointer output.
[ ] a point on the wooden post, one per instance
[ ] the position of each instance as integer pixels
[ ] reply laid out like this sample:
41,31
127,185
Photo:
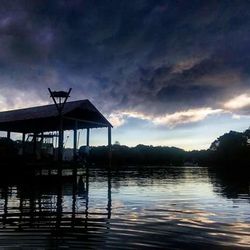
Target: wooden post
23,143
34,144
42,137
74,193
109,206
21,211
56,145
60,140
87,138
62,97
109,145
87,197
109,137
8,134
75,141
5,207
59,207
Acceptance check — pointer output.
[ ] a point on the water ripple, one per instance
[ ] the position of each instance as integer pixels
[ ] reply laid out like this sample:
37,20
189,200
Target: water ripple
137,209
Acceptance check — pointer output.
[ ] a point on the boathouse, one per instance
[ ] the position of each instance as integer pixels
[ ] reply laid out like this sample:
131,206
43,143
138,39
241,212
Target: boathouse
39,120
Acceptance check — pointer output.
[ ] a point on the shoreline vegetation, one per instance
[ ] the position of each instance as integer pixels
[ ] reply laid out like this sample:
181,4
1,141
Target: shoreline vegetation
231,150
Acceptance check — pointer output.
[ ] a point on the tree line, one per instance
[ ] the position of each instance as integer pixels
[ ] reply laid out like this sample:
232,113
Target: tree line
230,149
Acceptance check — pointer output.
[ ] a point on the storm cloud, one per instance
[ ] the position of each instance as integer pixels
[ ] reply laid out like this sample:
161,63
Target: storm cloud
152,58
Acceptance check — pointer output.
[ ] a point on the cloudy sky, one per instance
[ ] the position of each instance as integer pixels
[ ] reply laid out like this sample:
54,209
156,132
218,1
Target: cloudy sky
173,73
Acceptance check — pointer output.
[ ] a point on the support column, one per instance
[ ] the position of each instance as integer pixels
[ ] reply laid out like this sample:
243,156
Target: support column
75,141
59,207
5,207
87,138
8,134
42,137
60,140
109,145
34,144
109,206
23,143
109,137
87,197
74,194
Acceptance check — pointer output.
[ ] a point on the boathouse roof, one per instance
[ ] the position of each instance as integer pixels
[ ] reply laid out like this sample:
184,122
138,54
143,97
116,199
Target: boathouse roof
45,118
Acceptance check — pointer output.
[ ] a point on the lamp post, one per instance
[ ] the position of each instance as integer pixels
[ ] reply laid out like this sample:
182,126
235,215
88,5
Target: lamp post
59,99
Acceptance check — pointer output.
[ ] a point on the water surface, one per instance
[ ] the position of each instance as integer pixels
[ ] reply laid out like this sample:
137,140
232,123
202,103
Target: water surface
170,208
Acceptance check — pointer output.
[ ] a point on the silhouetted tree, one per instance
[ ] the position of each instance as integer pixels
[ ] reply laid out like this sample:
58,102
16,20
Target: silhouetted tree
231,149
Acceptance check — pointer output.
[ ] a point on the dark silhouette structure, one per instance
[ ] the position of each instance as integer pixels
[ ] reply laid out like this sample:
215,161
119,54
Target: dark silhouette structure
59,99
43,119
41,216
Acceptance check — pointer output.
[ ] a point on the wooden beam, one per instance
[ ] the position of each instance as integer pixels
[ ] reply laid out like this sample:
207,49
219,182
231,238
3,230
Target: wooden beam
82,120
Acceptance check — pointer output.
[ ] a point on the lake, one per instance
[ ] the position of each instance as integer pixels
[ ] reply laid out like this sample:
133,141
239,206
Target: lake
149,208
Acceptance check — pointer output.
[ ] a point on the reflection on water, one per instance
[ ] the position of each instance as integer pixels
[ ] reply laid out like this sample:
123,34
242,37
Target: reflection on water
171,208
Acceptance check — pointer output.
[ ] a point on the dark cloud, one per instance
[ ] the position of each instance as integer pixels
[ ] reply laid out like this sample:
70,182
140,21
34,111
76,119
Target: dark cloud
145,55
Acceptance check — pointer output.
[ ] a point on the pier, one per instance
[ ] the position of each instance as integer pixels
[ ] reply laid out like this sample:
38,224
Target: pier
44,123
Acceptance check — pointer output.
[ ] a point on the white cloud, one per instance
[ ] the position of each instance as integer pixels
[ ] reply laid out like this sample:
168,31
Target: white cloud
188,116
116,119
171,120
238,102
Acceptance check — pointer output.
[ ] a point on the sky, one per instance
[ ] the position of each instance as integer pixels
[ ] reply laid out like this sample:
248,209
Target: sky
173,73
